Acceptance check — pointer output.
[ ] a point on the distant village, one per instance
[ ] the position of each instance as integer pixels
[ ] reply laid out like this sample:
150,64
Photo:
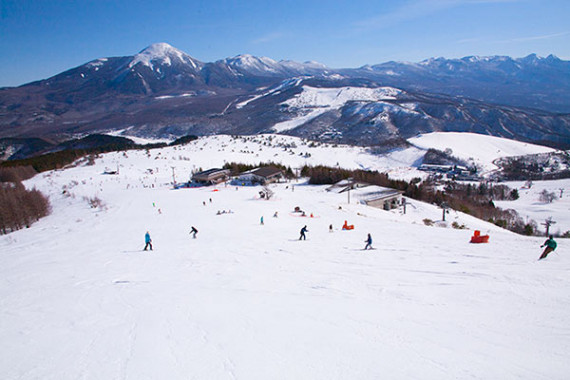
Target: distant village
453,172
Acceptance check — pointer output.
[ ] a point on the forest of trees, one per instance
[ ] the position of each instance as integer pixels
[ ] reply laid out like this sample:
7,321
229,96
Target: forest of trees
19,207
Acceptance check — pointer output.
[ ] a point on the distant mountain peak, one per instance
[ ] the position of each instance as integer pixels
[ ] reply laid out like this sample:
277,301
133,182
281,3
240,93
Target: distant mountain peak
248,60
163,54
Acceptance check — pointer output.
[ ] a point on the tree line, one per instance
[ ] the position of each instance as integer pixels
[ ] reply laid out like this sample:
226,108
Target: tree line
19,207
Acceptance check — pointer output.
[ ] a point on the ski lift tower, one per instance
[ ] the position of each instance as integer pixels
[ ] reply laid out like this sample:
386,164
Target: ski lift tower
547,223
444,207
173,176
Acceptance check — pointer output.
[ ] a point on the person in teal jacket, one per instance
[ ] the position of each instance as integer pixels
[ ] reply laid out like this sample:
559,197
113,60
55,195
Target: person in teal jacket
148,241
550,246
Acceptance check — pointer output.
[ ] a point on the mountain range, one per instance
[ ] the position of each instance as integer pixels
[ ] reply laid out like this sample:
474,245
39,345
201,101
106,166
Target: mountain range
164,92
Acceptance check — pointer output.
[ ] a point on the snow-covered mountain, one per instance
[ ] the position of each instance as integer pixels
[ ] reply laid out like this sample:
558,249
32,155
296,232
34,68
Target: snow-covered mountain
531,81
246,64
163,54
81,299
368,114
162,92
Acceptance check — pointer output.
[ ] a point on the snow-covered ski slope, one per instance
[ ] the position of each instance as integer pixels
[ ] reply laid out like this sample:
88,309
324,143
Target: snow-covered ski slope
316,101
81,300
479,149
530,206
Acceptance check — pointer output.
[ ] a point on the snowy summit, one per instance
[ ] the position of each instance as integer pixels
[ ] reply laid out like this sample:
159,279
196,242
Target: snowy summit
163,54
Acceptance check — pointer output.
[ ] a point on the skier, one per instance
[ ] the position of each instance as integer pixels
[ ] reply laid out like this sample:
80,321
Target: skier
368,242
261,221
193,232
303,230
148,241
550,246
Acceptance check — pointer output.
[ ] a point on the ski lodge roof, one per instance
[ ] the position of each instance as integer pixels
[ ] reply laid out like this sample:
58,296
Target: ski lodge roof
375,193
345,185
266,172
210,175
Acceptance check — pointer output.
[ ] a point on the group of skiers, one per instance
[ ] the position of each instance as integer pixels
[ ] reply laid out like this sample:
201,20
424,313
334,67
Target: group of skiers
550,244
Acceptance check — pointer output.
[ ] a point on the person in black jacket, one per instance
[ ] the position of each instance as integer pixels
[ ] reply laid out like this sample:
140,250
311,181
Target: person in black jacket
303,230
368,242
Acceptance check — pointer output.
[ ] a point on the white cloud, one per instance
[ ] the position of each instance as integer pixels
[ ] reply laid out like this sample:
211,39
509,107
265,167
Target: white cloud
415,9
268,38
531,38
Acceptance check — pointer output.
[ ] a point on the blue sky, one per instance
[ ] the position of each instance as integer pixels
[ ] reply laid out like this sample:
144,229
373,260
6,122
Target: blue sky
41,38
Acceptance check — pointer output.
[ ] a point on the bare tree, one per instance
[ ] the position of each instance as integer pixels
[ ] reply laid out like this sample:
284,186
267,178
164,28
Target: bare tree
547,196
19,207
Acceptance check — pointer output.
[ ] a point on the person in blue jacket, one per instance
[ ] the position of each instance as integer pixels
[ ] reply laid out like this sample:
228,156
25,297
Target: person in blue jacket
148,241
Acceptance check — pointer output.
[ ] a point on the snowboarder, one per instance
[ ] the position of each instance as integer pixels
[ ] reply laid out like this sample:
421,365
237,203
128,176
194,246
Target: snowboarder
193,232
550,246
303,230
368,242
148,241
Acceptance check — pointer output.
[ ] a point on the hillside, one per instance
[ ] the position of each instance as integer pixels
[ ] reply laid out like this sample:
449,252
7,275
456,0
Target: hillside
80,299
162,92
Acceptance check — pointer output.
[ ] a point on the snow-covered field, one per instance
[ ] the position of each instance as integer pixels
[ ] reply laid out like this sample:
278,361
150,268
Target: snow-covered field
481,150
316,101
81,300
530,205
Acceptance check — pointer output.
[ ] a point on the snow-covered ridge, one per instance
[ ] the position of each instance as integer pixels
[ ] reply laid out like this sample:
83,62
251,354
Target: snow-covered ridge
316,101
272,91
336,97
187,94
252,64
97,62
482,150
249,62
163,53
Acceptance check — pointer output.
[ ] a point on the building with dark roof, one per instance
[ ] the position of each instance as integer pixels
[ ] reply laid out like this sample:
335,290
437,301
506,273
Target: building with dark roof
259,176
211,176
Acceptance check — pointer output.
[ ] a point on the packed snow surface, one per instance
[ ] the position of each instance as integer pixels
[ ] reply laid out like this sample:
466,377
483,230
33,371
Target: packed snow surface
244,300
